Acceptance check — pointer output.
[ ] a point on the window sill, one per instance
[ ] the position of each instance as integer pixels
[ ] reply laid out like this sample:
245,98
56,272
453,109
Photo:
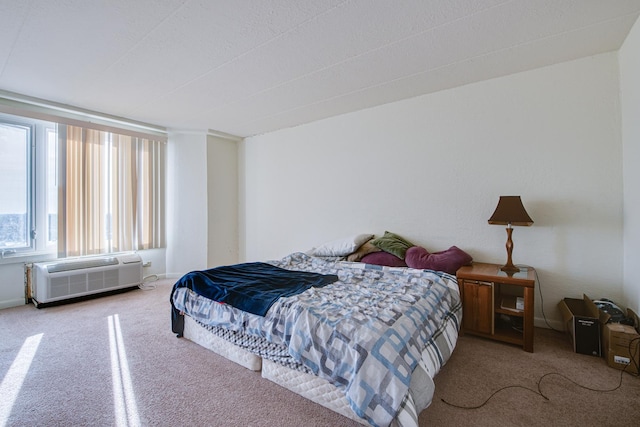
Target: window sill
24,257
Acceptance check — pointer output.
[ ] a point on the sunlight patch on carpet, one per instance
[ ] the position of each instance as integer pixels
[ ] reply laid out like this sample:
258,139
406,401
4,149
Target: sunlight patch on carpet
12,381
124,399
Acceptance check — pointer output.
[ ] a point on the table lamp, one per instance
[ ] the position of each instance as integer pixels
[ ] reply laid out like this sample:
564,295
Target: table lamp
509,212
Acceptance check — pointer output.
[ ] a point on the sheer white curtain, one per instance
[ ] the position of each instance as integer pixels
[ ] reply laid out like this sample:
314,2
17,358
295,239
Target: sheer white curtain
112,197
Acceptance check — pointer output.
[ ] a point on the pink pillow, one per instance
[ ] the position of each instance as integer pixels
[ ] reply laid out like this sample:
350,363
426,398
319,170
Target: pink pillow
383,258
448,261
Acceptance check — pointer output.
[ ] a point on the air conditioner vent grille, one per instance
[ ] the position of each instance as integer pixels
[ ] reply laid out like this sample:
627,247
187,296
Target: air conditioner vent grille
79,277
79,265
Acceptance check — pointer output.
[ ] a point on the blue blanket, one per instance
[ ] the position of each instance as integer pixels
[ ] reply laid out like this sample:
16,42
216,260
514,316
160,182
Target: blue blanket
252,287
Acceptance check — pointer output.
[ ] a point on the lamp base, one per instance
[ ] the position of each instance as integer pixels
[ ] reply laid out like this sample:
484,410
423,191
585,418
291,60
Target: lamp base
510,268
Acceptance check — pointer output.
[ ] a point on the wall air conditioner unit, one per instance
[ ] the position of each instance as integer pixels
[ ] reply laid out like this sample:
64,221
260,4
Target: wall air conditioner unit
79,277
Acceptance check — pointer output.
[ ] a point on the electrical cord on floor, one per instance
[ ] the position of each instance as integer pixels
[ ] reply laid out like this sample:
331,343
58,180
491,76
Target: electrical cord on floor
633,356
538,391
491,396
145,286
580,385
634,361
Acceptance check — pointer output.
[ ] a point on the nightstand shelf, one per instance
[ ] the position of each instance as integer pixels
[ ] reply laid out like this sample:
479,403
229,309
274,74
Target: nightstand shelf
483,288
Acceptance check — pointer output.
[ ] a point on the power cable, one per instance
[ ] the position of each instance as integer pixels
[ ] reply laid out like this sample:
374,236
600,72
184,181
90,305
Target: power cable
145,286
635,362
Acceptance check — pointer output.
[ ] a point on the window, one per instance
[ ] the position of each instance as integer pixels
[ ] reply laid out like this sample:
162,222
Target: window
78,190
22,143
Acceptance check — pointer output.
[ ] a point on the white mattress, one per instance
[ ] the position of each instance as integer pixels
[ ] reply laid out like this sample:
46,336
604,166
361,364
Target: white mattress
195,332
310,386
307,385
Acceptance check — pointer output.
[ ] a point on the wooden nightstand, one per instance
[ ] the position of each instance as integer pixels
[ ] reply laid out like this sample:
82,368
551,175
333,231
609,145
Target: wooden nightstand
498,305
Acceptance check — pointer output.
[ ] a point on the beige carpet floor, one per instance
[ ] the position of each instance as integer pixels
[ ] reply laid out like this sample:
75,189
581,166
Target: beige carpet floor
114,361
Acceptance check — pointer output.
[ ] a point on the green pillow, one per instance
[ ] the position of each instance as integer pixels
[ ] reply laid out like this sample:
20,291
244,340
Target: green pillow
393,244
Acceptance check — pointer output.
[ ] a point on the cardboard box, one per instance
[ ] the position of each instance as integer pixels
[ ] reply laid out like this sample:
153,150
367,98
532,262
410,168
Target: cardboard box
621,345
583,320
512,302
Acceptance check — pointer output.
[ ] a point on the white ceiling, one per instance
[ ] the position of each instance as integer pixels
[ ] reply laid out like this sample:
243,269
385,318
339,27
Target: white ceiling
246,67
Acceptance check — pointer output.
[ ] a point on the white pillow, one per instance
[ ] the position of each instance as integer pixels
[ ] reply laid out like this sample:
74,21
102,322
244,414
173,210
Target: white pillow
341,247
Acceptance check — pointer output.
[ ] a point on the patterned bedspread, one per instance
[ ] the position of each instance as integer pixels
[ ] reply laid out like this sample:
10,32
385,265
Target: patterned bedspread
365,333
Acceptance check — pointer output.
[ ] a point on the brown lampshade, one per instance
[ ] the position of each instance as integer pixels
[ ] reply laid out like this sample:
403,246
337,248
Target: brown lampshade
510,211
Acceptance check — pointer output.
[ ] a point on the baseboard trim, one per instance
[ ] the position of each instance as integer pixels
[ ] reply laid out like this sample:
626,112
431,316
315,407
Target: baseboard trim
12,303
540,322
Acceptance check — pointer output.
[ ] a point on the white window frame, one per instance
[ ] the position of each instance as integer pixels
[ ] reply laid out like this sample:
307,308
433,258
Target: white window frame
37,169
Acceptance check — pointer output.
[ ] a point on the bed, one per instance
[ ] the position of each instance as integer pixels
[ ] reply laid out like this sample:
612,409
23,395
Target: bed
366,341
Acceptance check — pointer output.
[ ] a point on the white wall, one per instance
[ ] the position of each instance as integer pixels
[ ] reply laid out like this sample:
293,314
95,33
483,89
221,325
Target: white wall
222,168
187,223
629,56
432,169
12,291
202,202
158,259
